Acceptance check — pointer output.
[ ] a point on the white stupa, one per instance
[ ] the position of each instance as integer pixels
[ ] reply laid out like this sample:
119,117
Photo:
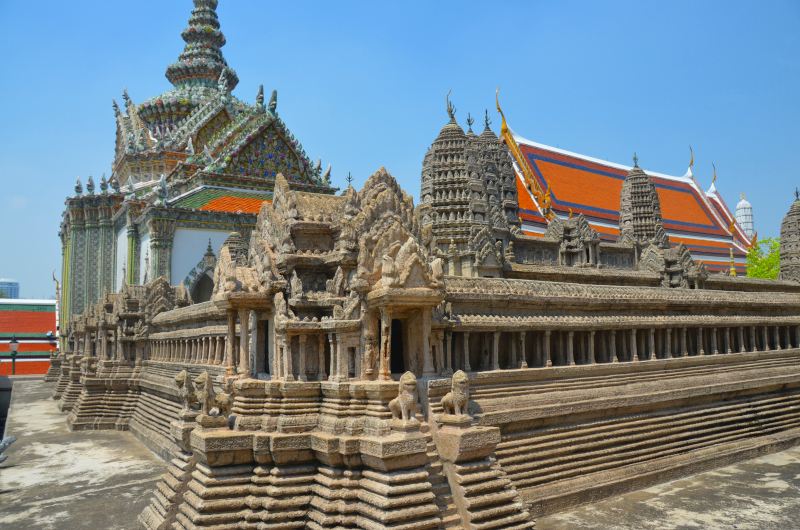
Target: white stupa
744,216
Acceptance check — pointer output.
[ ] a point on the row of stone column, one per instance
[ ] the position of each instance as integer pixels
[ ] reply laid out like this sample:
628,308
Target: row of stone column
201,350
629,345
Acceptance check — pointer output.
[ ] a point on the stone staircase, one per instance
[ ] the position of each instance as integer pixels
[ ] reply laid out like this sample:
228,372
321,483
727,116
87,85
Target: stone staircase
448,510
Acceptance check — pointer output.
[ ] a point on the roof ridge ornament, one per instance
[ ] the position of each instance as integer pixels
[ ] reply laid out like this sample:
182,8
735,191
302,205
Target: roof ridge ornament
451,110
486,120
691,163
796,194
78,187
635,160
715,173
470,121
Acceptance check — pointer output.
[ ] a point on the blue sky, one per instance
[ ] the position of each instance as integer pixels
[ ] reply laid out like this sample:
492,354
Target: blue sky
363,84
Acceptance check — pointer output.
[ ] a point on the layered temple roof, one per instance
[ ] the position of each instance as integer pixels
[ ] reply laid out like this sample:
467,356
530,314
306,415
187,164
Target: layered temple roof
581,184
198,134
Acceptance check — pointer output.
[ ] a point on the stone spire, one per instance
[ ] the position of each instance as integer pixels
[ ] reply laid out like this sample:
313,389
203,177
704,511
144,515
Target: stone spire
639,209
790,243
201,62
744,216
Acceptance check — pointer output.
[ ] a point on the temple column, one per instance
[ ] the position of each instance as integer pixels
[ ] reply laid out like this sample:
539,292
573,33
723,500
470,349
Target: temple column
302,376
549,362
524,362
614,345
467,367
776,334
787,337
728,340
700,341
244,344
288,369
449,361
591,360
652,344
714,349
229,364
496,351
280,351
218,356
342,360
634,347
321,350
334,365
427,358
668,344
766,338
386,345
753,346
741,339
797,336
571,348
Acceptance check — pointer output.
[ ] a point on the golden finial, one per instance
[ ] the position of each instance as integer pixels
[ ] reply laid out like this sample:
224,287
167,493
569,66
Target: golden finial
570,213
58,290
451,110
754,241
504,127
732,228
742,194
715,173
733,266
691,163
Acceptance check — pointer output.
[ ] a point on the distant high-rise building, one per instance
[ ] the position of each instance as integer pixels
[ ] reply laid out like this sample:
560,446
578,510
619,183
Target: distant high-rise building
9,287
744,216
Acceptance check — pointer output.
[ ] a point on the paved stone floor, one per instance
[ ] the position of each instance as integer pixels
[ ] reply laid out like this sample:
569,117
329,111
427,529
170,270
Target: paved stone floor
760,494
54,479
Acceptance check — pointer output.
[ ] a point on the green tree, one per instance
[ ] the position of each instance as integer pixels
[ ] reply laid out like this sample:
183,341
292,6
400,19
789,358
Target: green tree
763,260
3,294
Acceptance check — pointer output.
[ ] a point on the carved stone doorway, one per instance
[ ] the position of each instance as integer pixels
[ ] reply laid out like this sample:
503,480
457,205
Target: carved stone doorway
398,350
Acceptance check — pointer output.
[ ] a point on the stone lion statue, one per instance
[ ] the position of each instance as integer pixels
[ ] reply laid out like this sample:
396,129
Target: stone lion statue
185,389
455,401
404,406
209,399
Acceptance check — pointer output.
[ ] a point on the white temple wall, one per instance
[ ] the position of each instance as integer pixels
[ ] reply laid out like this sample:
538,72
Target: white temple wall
122,256
188,247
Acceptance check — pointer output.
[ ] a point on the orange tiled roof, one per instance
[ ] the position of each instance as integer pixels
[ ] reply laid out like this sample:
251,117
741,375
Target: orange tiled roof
27,322
234,204
593,188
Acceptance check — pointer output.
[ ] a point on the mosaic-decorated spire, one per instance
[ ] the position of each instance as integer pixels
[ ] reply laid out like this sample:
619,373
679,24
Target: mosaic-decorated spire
201,62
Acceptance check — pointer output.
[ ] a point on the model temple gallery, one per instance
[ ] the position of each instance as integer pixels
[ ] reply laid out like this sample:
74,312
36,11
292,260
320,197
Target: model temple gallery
511,346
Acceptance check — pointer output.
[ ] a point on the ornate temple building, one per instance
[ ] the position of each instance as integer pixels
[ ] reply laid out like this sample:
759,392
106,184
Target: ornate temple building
359,361
563,183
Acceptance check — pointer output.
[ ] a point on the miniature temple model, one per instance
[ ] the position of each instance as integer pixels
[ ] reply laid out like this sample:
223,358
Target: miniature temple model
500,351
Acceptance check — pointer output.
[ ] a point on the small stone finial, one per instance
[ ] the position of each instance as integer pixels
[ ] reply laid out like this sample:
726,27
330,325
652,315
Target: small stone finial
209,250
260,96
486,119
124,270
78,187
273,102
635,160
349,178
103,184
451,110
90,185
470,121
796,194
126,97
117,112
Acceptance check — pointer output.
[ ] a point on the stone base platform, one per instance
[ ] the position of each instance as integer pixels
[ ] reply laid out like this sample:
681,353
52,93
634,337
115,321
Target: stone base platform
54,478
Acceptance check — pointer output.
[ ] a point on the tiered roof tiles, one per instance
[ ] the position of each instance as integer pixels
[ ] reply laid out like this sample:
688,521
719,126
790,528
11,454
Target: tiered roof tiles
586,185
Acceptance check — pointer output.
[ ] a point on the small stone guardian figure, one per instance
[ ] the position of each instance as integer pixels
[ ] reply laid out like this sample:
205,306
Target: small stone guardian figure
455,401
405,406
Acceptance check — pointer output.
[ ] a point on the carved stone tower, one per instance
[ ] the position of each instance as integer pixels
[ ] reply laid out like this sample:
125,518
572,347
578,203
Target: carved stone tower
790,243
639,209
469,196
